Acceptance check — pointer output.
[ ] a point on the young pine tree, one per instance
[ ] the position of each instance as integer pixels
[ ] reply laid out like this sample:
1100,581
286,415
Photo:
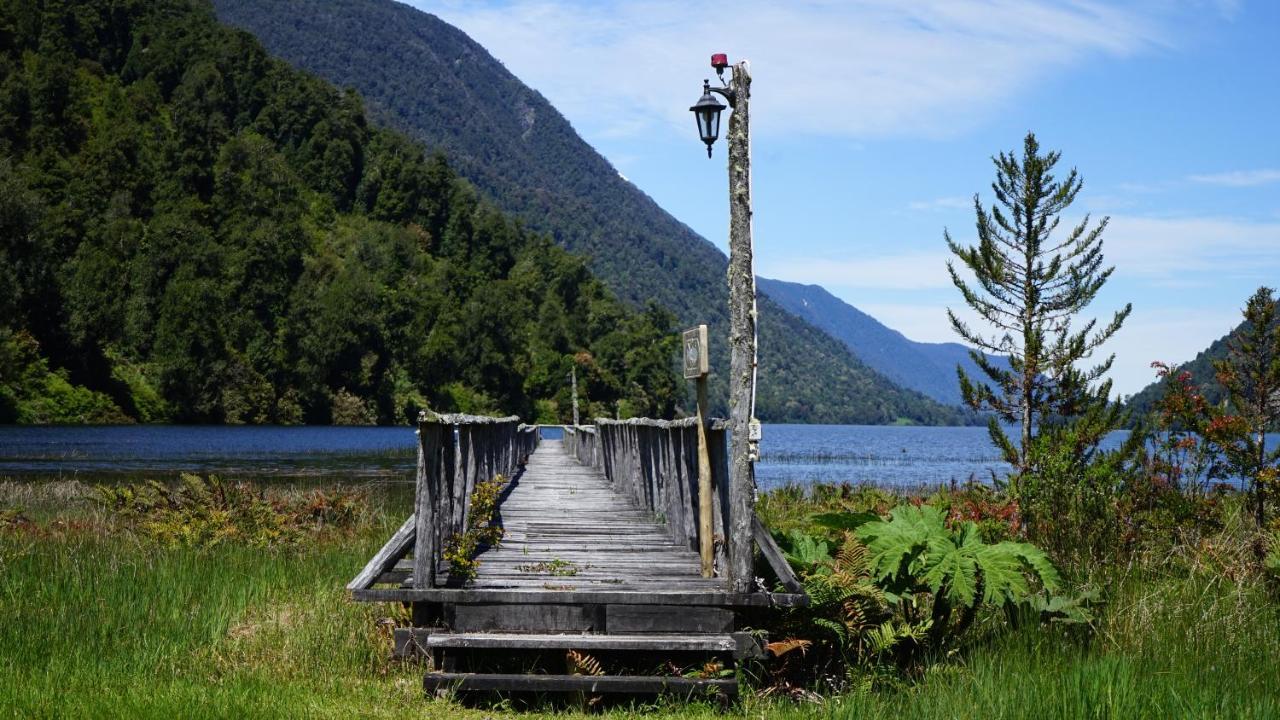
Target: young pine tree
1030,286
1251,375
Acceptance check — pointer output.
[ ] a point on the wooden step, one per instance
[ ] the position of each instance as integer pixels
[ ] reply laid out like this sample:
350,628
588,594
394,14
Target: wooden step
726,688
722,643
716,598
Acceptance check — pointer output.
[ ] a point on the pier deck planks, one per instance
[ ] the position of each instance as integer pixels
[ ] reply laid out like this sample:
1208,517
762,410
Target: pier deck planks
566,528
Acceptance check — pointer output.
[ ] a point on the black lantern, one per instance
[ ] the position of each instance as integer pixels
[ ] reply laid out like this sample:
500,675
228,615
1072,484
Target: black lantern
707,112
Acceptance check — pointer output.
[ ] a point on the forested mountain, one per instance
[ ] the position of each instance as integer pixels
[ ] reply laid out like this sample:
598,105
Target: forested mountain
927,367
194,231
426,77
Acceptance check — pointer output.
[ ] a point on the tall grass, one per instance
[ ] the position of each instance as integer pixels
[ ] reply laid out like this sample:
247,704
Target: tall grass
1174,649
96,621
99,622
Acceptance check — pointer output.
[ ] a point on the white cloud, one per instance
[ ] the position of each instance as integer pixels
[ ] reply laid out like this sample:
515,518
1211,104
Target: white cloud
1239,178
1157,252
825,67
942,203
1213,263
1193,251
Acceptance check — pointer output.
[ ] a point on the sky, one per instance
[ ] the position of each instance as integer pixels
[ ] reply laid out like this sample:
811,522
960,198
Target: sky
874,124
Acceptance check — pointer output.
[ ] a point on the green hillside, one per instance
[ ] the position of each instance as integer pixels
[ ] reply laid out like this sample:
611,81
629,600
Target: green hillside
426,77
196,232
1202,374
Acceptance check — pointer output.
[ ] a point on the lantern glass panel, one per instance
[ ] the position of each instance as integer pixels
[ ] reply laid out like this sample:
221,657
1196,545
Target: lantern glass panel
708,123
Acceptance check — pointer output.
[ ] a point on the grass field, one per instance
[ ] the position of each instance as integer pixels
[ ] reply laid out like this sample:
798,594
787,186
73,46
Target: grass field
98,620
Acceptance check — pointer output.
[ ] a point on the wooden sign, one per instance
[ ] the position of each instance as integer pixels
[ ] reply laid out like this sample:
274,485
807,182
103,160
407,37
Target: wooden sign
696,363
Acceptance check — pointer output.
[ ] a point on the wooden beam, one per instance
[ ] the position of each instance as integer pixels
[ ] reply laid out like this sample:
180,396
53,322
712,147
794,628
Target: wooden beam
666,619
777,561
720,643
705,532
590,684
386,558
426,499
572,597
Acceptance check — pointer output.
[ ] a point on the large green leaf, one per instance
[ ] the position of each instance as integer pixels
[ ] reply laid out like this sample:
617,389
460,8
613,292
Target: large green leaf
897,544
951,564
804,552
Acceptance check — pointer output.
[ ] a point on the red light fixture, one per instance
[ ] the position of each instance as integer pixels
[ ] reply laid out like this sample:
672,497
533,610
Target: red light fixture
719,61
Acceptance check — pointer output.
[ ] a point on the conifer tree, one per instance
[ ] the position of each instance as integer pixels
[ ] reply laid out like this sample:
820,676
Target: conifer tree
1251,375
1030,287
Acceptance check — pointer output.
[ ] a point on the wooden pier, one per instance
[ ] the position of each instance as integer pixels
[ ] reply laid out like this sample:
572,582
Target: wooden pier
597,570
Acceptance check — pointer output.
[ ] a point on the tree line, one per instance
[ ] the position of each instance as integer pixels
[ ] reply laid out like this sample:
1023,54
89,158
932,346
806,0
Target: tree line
196,232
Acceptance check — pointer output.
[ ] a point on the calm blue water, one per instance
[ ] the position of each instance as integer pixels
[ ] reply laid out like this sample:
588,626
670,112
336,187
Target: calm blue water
881,455
357,452
791,453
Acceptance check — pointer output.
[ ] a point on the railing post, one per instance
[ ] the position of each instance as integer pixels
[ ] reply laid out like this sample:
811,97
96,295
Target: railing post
427,492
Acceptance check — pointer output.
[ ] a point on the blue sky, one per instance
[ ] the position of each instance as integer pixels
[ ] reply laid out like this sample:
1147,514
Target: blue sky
874,123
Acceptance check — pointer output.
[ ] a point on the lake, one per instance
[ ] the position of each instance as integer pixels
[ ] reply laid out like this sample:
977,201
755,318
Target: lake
885,455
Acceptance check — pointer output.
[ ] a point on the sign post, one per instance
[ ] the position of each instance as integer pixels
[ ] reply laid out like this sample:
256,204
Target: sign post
696,367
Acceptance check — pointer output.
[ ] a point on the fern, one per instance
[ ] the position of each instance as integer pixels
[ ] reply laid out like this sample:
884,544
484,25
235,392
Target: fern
889,634
900,589
579,663
782,647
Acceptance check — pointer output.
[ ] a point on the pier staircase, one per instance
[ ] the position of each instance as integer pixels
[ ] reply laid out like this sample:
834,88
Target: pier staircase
595,586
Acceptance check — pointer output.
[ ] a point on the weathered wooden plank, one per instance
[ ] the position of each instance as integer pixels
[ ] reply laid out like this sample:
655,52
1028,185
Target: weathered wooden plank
667,619
426,549
748,645
591,684
520,597
777,561
386,558
719,643
522,618
393,577
599,582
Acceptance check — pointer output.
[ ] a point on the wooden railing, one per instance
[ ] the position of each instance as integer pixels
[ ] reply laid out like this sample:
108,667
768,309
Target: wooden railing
455,452
656,463
582,443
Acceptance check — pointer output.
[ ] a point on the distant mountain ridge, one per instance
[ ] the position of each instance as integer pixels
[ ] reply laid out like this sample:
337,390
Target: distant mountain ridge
1143,402
929,368
426,77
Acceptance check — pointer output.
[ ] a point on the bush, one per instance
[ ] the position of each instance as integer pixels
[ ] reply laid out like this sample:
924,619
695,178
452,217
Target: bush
901,592
204,512
482,530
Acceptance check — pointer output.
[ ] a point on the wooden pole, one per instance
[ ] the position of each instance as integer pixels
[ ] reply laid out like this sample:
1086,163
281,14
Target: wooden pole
705,531
573,375
742,337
